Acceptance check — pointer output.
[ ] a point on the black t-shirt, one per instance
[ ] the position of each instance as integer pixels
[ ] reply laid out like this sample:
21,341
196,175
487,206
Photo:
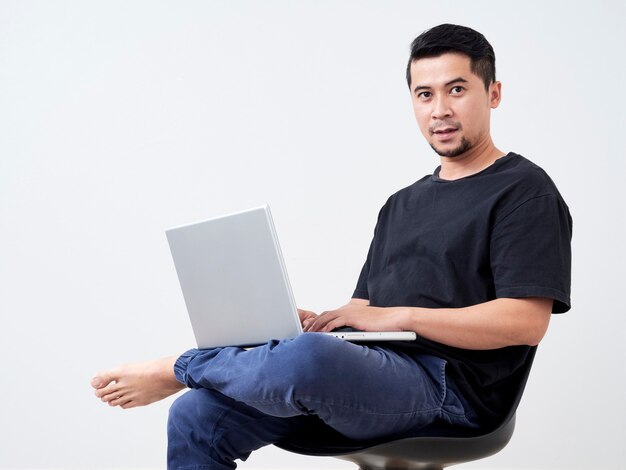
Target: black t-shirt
502,233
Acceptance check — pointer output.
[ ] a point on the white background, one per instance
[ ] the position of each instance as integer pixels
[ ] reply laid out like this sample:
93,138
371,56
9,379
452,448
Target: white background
119,119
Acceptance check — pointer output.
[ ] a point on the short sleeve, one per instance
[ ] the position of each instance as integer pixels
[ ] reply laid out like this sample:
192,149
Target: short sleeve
531,252
361,291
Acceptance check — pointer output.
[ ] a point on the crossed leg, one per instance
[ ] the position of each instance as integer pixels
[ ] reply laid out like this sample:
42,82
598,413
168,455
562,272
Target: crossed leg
361,392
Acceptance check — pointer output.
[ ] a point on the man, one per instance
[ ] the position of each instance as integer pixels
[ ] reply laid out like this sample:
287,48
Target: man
473,258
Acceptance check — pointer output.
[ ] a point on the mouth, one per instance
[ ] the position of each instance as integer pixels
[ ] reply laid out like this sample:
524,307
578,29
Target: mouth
445,133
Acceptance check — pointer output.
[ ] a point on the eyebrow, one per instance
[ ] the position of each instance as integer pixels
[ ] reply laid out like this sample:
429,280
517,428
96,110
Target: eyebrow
455,80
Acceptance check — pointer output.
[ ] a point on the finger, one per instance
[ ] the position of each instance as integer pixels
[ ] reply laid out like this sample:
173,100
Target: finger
312,323
336,323
320,322
305,314
309,325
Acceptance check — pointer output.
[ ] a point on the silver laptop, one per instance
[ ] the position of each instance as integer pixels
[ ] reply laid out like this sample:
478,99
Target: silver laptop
235,284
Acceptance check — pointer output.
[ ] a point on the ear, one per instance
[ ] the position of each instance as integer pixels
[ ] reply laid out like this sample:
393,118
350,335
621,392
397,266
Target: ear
495,94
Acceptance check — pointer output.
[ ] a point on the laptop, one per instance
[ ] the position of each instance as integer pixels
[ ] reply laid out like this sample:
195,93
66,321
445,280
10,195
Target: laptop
235,284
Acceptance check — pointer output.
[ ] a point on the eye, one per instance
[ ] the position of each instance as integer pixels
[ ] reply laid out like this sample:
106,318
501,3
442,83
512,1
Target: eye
457,90
424,95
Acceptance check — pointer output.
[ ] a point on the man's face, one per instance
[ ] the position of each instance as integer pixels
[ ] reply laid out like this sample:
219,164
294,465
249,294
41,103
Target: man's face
451,105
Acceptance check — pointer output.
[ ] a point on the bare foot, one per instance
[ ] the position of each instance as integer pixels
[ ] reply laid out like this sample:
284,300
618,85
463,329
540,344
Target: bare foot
137,384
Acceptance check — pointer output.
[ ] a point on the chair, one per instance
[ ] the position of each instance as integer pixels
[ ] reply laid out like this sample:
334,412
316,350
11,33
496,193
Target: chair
415,453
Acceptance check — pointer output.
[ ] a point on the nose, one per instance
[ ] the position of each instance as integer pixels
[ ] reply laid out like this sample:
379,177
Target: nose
441,108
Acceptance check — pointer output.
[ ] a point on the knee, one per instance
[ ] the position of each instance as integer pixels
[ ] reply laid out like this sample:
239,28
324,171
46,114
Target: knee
317,347
195,405
313,354
182,410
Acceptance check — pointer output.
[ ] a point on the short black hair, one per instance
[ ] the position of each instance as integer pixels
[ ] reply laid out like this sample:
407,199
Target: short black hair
454,38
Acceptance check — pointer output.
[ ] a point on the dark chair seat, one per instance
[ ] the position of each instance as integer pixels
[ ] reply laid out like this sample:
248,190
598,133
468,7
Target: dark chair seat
431,453
413,453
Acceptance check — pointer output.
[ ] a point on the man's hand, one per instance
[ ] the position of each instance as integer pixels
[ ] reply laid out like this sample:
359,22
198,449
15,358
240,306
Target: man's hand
306,316
356,314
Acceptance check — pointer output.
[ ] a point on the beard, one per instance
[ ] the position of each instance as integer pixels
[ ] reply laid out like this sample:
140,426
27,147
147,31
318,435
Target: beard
463,147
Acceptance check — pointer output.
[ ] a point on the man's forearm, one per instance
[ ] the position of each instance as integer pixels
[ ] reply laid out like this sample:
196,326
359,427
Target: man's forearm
490,325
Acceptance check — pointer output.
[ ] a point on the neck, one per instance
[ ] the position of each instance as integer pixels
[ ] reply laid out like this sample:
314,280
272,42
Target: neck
476,159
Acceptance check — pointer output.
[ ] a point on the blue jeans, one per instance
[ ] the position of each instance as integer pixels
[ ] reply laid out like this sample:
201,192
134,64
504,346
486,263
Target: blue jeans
241,400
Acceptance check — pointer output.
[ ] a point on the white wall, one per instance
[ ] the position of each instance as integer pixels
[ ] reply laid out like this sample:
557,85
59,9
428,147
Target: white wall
119,119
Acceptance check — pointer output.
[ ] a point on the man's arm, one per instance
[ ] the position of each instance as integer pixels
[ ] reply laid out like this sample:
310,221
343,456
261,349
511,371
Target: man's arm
490,325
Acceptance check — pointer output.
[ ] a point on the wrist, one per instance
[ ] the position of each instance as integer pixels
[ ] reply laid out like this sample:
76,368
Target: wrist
406,317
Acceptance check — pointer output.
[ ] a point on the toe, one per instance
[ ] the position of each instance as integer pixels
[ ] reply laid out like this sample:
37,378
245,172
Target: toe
112,398
112,389
123,401
102,379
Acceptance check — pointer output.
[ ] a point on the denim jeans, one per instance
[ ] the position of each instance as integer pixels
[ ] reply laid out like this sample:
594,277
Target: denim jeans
243,399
